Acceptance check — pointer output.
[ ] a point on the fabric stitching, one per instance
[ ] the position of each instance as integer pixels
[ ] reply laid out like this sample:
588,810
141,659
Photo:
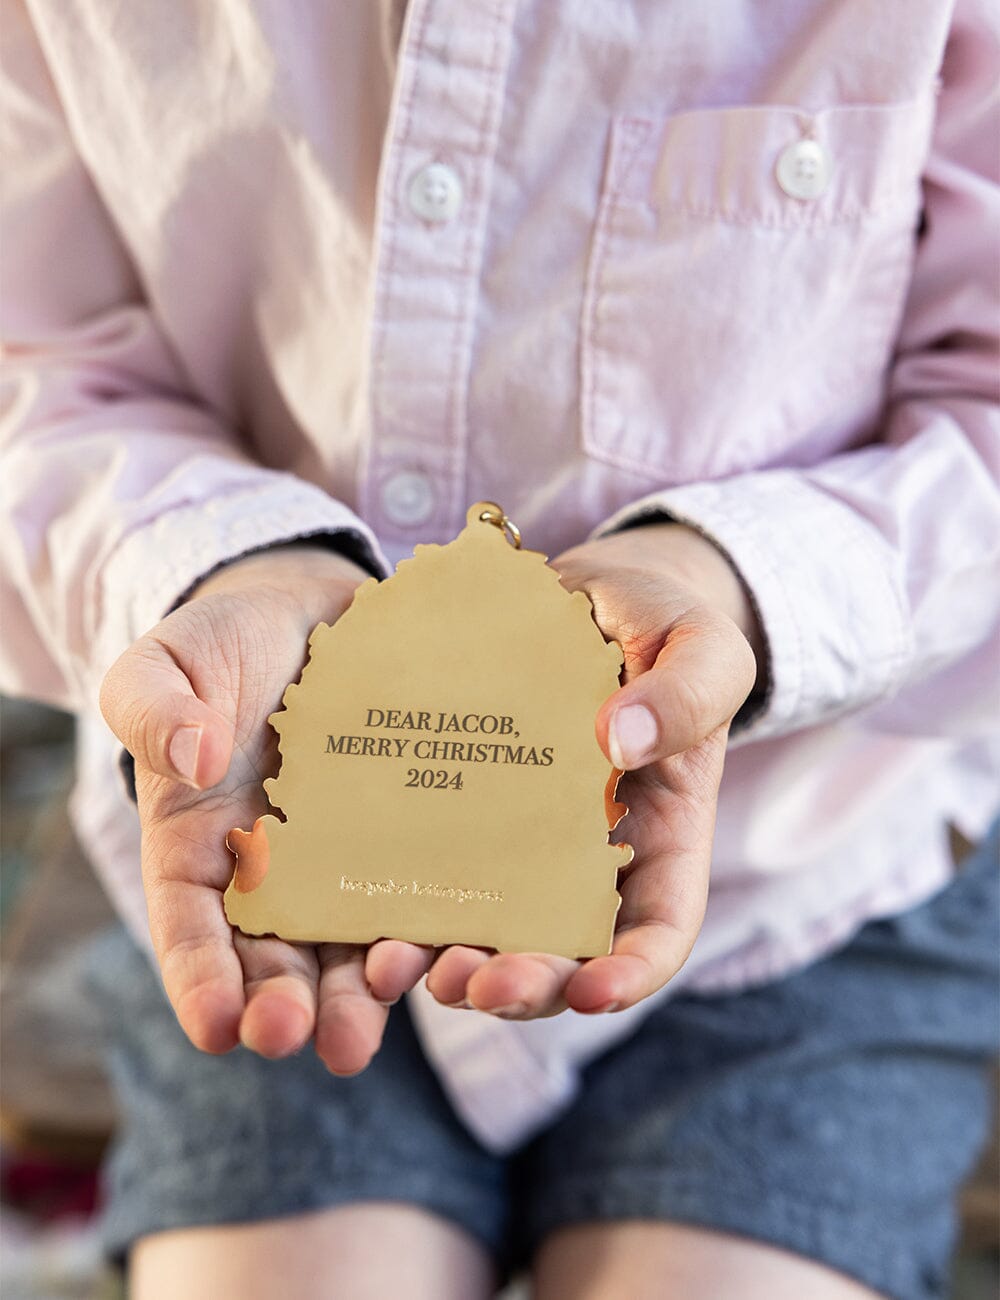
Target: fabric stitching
457,416
386,276
590,350
807,219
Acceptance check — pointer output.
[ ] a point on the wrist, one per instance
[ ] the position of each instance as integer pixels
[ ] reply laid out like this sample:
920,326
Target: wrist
287,566
694,561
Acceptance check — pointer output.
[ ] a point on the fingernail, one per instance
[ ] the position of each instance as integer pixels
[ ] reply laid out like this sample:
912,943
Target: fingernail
183,752
508,1012
631,736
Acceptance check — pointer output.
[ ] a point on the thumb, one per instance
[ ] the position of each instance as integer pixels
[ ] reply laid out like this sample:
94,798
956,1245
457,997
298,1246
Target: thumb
698,680
149,703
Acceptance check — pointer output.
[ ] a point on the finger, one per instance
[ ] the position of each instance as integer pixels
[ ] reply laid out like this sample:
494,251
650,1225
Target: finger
150,705
451,973
663,898
393,967
280,983
201,972
520,986
349,1022
185,868
643,960
699,679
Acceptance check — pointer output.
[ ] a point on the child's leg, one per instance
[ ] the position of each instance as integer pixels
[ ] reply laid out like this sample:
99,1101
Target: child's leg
364,1251
668,1261
832,1117
237,1176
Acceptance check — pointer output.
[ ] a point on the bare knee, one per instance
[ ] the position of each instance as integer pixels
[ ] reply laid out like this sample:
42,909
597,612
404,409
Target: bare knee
364,1251
646,1260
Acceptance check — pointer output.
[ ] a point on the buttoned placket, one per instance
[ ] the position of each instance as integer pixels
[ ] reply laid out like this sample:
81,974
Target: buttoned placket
430,225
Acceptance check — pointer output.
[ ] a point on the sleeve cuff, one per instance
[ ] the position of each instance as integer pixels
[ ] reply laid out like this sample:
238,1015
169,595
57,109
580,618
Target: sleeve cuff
156,564
824,581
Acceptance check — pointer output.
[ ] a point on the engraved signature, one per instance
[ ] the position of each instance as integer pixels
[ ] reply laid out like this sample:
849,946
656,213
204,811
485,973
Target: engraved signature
419,889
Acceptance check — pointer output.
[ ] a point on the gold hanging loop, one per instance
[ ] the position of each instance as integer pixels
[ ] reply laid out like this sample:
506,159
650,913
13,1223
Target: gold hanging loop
488,512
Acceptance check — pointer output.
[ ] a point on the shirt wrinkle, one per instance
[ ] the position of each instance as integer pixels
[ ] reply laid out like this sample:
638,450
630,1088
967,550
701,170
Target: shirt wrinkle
590,261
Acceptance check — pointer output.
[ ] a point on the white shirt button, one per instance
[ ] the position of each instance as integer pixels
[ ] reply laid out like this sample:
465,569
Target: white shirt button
803,169
408,497
436,192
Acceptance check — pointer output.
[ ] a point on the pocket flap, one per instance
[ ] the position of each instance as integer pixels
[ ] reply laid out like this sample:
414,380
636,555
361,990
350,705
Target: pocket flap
720,164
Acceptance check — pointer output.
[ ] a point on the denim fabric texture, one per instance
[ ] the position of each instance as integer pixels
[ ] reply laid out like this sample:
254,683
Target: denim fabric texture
834,1113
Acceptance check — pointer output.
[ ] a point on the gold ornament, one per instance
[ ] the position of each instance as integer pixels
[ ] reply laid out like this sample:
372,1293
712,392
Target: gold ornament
440,776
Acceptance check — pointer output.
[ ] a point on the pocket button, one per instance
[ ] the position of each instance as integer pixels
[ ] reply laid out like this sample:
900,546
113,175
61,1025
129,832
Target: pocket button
803,169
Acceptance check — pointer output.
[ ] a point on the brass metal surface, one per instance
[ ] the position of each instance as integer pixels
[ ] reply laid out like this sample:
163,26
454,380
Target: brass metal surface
440,776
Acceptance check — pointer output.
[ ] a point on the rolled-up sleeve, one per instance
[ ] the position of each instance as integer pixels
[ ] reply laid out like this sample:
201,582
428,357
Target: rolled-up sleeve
120,488
876,574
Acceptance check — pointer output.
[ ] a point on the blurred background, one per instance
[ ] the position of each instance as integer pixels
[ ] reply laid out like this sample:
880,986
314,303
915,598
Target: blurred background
56,1109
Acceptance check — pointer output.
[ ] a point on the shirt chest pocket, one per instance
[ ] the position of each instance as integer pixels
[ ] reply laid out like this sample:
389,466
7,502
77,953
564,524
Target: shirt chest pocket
745,283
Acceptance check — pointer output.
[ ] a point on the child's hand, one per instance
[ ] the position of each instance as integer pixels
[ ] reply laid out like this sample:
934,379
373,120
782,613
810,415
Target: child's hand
190,701
689,635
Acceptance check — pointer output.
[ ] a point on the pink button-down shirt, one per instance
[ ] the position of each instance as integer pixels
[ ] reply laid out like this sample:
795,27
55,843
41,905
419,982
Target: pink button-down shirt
274,270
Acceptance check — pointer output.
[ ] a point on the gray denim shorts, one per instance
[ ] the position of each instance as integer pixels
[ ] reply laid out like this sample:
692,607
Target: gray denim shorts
834,1113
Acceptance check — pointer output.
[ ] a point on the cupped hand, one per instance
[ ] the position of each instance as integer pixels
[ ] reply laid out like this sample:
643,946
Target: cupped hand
691,644
190,701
